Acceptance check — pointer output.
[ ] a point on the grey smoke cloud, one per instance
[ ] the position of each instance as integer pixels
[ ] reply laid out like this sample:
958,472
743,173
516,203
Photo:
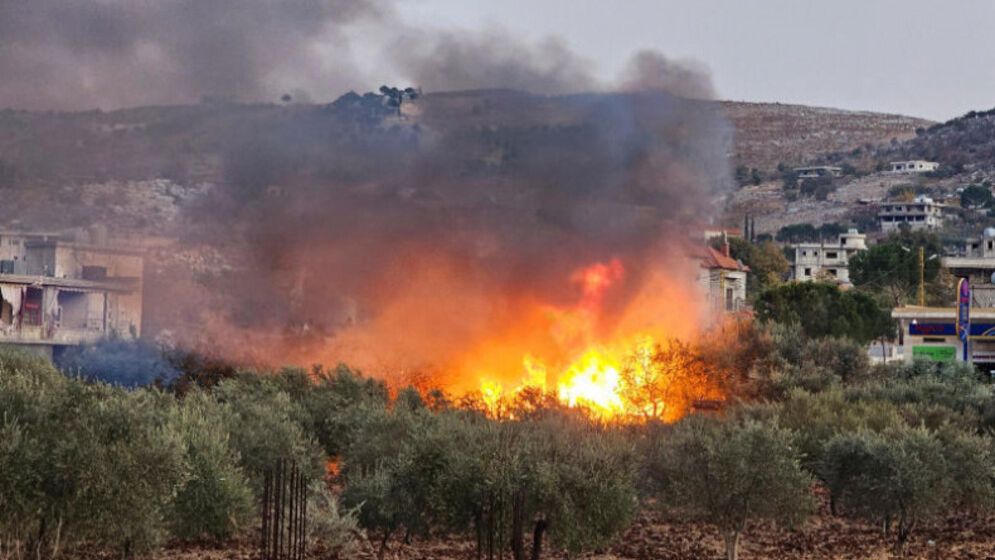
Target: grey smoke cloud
494,58
57,54
651,70
410,237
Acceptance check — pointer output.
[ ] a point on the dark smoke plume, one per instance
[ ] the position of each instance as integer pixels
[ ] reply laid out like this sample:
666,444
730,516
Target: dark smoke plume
396,243
394,239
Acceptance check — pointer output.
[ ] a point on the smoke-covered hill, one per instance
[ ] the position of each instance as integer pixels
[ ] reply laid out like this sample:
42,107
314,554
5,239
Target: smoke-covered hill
46,157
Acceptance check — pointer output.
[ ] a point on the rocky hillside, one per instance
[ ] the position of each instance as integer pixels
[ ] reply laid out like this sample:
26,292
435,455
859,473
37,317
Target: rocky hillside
771,133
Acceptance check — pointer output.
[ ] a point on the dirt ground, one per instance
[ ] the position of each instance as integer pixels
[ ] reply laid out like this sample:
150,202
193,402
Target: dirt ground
651,537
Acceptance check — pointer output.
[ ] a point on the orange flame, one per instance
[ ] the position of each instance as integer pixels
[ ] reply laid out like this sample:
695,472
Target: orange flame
600,373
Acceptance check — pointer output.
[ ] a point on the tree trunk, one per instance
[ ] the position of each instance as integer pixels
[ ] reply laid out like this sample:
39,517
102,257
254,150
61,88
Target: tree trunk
732,545
518,526
903,531
39,539
537,533
479,530
383,545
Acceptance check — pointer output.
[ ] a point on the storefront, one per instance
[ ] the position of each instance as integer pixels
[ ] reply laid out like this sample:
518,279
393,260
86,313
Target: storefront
931,333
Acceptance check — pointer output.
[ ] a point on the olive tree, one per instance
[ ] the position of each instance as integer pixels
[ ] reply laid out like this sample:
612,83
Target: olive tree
728,474
216,499
906,476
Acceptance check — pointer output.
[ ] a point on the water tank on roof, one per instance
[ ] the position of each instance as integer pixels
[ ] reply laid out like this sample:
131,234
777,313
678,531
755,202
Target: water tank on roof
989,232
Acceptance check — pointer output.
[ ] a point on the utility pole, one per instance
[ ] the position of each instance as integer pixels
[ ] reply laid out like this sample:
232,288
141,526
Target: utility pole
922,276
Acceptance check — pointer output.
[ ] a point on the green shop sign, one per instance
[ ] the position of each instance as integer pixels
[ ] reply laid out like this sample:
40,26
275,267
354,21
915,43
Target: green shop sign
935,353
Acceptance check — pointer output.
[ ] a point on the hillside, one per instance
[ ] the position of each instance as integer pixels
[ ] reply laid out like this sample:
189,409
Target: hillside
136,168
771,133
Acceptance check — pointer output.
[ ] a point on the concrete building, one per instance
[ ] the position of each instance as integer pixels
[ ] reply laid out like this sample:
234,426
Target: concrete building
62,290
827,261
914,166
721,278
921,214
817,171
977,265
931,332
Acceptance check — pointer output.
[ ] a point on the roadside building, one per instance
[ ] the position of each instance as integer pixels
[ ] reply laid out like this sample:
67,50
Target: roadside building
914,166
721,279
931,332
829,261
61,290
923,213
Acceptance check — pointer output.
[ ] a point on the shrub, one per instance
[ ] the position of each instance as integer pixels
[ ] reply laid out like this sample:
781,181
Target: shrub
330,528
216,499
269,427
728,474
817,418
907,476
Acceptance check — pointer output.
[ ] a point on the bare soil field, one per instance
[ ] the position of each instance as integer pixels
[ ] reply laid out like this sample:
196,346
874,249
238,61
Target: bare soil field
651,537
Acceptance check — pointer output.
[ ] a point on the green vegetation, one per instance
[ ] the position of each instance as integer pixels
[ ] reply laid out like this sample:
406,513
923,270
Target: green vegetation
824,310
727,474
748,176
806,419
768,265
976,196
891,269
807,233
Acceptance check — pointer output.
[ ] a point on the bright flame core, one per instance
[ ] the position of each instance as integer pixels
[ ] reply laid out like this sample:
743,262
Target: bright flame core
634,370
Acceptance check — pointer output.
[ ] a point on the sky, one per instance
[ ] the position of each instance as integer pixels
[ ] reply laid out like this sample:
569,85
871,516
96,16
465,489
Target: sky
915,57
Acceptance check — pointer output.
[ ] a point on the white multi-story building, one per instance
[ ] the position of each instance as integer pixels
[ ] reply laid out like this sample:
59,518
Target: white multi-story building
914,166
922,213
827,261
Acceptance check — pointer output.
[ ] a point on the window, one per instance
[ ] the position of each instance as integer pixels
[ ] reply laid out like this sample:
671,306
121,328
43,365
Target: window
832,272
808,272
729,299
831,255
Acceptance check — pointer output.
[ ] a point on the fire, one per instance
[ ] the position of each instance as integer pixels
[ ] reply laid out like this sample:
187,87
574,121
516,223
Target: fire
613,375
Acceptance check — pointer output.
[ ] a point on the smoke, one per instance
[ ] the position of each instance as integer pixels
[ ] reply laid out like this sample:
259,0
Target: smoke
112,53
461,60
449,232
651,70
117,53
403,244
